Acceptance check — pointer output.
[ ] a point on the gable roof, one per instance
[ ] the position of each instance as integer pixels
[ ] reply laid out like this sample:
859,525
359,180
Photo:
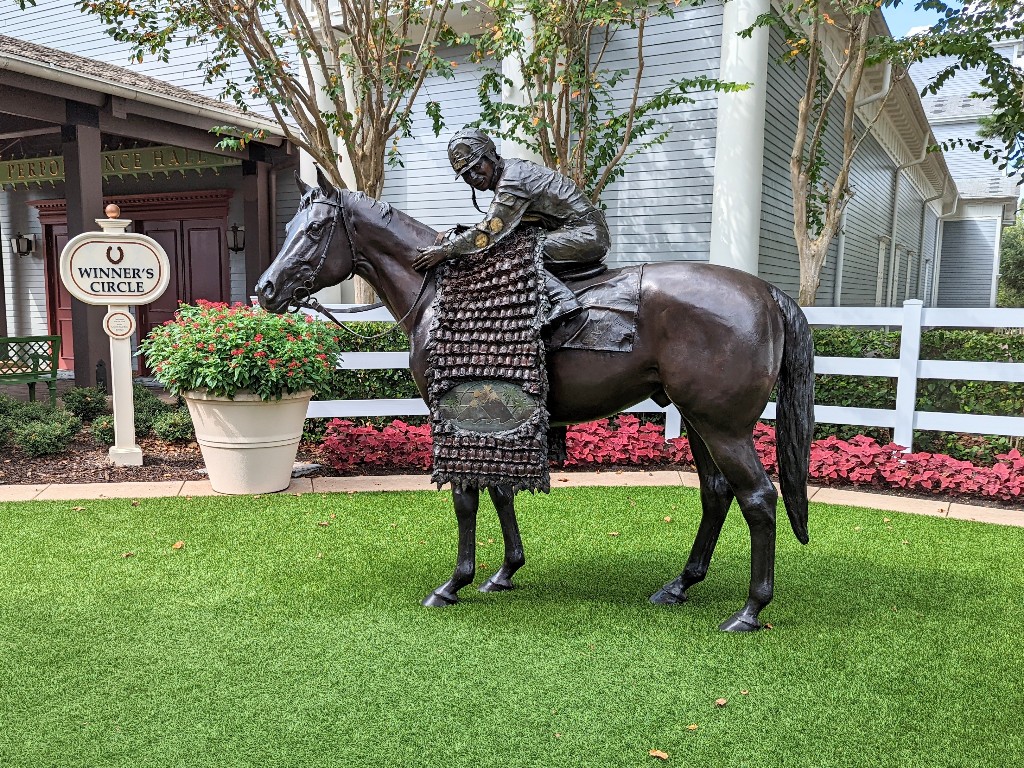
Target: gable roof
56,65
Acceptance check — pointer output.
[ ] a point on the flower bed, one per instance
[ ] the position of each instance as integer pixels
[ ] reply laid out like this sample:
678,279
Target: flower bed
860,461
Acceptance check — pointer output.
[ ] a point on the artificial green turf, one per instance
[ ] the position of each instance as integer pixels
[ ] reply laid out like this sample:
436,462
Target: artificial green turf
271,640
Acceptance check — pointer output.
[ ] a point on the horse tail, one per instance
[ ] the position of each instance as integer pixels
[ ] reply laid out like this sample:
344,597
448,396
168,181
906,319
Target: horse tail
794,418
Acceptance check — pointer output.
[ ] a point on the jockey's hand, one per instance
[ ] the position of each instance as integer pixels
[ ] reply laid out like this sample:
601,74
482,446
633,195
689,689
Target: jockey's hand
430,257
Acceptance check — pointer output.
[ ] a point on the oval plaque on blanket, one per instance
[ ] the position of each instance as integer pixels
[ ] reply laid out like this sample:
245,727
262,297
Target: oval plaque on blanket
487,405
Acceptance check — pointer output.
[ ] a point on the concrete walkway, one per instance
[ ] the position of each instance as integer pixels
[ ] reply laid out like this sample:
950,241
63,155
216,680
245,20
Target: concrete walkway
841,496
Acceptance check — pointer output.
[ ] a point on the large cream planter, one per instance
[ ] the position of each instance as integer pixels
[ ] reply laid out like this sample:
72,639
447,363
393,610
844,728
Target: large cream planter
248,444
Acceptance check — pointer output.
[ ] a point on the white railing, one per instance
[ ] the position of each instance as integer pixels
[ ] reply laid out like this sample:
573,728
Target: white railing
908,369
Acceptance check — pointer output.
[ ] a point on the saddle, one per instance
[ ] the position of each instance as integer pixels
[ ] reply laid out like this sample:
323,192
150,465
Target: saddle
612,298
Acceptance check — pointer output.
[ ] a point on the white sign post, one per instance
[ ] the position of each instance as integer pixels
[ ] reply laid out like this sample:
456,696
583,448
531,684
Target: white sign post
119,269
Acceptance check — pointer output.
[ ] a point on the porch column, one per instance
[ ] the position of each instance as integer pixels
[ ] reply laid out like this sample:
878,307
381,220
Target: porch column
4,236
257,221
739,140
80,143
515,93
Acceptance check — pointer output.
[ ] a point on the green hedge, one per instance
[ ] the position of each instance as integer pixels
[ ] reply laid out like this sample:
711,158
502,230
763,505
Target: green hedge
995,398
940,395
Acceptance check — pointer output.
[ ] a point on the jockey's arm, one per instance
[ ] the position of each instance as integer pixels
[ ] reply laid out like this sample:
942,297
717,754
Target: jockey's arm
503,216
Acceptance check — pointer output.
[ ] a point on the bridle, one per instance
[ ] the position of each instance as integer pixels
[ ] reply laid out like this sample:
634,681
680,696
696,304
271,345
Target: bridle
302,297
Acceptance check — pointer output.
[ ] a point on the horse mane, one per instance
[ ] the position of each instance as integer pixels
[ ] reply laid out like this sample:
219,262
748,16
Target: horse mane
343,195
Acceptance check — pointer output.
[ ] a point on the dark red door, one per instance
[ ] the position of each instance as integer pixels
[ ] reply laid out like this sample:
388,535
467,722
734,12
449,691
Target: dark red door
168,235
199,266
57,296
205,260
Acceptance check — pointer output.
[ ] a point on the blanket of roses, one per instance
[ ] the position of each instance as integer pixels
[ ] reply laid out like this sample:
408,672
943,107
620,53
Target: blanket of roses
626,441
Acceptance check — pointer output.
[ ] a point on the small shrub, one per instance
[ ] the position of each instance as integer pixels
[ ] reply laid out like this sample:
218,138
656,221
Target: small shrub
47,436
103,429
86,402
148,408
9,406
175,426
40,410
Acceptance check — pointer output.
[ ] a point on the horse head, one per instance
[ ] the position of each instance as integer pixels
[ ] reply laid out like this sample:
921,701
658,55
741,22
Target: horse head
315,254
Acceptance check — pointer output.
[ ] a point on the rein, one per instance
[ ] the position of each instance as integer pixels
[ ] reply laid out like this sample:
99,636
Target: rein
302,297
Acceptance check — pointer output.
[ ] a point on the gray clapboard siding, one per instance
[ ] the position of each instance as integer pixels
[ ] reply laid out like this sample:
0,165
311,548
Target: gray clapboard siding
661,209
931,224
286,204
968,257
867,215
867,219
425,187
964,164
778,262
24,276
908,232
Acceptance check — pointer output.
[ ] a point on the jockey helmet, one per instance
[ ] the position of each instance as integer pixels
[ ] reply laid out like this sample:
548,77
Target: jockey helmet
467,147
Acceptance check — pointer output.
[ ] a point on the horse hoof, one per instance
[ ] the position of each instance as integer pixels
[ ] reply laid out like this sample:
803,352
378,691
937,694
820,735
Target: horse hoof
668,596
740,622
437,600
495,586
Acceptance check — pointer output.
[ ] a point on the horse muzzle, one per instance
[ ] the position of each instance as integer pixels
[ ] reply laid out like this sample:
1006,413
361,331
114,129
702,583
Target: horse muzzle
268,296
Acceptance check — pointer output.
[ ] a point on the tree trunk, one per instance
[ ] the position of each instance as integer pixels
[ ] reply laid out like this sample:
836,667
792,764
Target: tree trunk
364,293
812,259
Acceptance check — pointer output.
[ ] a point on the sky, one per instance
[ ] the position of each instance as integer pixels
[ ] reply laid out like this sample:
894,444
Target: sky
902,18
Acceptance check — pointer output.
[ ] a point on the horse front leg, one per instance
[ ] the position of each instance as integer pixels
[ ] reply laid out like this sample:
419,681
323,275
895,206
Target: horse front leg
466,501
504,499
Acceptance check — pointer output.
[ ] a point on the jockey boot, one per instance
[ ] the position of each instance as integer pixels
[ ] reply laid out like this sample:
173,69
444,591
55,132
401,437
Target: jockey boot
565,315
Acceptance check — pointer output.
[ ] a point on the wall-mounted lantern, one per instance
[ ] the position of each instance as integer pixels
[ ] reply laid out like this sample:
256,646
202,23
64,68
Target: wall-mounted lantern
23,245
236,238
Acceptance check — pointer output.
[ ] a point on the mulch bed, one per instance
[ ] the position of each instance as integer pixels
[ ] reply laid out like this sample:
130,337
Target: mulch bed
86,462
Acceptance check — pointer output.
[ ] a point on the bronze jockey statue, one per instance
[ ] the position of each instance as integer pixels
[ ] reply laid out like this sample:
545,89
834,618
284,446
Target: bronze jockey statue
575,233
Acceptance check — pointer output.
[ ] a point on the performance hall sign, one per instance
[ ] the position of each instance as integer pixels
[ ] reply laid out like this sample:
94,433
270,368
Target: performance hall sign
118,162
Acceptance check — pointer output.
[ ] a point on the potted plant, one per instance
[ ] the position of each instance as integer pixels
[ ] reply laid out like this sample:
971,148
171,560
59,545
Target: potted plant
247,377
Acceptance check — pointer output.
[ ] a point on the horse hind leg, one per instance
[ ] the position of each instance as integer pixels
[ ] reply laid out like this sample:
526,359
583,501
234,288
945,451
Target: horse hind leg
504,499
715,498
466,501
737,458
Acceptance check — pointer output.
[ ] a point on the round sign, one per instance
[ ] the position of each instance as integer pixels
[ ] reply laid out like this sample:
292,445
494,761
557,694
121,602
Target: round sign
119,324
114,268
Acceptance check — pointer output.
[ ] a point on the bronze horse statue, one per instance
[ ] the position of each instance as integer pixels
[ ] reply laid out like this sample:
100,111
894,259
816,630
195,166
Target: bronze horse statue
712,340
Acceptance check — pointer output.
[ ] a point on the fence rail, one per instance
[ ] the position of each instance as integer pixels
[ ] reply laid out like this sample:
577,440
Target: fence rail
907,369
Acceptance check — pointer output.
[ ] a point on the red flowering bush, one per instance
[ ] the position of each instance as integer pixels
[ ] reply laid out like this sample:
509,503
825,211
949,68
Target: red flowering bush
226,349
397,446
626,442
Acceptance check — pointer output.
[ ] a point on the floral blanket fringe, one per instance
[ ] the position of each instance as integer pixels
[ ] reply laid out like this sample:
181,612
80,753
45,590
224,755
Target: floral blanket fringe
486,374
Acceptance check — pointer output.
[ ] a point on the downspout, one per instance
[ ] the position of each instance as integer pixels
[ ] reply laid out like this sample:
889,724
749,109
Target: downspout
883,89
939,233
920,237
896,184
837,285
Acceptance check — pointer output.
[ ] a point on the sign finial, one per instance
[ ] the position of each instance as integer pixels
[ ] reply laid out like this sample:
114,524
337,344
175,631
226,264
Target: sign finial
112,211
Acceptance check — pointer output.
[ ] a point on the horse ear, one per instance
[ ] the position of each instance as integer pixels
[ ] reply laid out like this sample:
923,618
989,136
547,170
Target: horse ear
325,184
303,186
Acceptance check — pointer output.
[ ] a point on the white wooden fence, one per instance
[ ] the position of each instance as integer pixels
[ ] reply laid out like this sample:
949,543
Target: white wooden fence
908,369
